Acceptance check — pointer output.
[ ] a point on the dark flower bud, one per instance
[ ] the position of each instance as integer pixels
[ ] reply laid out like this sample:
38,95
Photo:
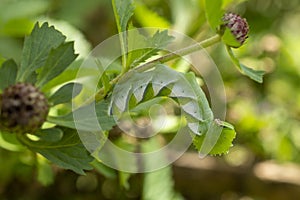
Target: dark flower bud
23,108
237,25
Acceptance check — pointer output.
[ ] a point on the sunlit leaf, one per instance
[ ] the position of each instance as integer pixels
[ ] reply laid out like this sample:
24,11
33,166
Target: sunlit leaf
149,18
17,27
229,39
217,140
214,13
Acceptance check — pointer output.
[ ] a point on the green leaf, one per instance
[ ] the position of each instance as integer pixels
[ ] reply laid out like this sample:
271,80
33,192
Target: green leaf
123,11
214,13
66,93
139,88
37,46
229,39
73,33
256,75
8,73
67,75
149,18
58,60
68,153
88,118
217,140
183,88
141,48
49,135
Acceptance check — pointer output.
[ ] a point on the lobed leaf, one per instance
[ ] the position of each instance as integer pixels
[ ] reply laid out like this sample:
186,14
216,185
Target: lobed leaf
141,87
217,140
183,88
57,61
37,46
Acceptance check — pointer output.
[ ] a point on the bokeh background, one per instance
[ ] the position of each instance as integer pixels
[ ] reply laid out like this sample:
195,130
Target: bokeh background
264,162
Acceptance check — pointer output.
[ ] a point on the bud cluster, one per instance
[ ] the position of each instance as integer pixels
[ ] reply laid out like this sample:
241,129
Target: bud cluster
23,108
237,25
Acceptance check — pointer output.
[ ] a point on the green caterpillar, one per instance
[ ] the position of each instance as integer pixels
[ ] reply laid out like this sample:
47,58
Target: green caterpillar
183,88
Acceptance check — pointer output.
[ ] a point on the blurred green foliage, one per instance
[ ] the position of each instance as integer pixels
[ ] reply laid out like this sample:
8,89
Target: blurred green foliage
266,116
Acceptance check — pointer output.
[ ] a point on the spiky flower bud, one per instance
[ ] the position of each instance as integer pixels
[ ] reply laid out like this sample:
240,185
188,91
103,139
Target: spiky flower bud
237,25
23,108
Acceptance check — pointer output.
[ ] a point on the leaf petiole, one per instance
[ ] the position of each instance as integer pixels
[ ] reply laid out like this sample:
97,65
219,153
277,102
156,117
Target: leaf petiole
181,52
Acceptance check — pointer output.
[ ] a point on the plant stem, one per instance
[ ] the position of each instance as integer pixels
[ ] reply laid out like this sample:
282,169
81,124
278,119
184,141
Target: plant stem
181,52
122,37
